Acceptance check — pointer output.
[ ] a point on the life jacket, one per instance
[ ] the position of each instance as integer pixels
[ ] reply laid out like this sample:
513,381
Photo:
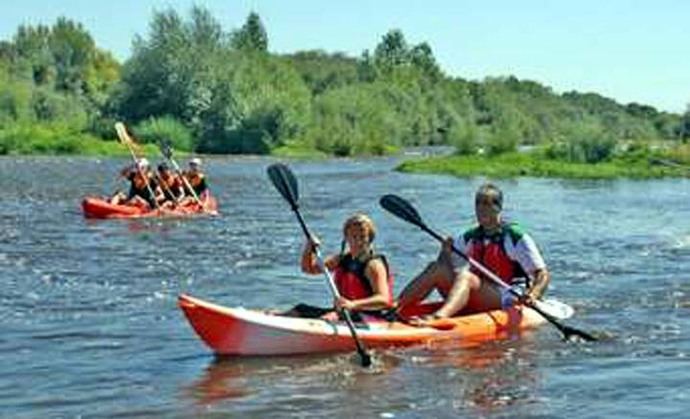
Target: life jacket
139,180
171,187
171,181
489,250
351,281
198,182
138,187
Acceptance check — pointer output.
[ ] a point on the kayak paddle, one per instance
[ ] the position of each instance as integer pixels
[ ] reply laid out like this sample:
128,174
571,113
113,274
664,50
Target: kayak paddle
404,210
166,151
285,182
127,141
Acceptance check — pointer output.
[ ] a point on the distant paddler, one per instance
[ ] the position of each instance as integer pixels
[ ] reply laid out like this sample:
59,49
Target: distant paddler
142,186
196,189
171,186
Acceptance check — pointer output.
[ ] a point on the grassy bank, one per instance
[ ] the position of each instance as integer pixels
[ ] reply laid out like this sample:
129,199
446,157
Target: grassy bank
37,139
50,140
537,165
298,151
79,145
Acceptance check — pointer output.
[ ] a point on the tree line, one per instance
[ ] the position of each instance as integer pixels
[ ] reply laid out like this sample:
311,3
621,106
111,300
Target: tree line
210,90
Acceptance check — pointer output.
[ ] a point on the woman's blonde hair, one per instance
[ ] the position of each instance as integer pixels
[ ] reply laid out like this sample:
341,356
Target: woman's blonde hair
363,220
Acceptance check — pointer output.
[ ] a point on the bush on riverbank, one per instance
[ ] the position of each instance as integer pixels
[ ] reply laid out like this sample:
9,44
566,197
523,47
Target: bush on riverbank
538,163
43,139
156,130
57,139
583,143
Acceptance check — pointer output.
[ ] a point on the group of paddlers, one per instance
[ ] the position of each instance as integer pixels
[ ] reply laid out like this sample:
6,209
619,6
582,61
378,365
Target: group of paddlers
164,188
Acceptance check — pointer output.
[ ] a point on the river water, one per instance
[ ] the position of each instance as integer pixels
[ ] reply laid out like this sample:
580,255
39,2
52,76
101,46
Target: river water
90,326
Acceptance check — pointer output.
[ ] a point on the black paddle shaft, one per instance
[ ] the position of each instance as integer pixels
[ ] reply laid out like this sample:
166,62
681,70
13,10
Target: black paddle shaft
302,223
285,182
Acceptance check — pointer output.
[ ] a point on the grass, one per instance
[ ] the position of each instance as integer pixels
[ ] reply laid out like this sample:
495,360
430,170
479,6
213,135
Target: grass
37,139
114,148
536,165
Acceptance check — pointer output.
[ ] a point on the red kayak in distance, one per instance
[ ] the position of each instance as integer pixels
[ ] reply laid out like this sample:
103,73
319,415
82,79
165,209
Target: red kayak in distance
99,208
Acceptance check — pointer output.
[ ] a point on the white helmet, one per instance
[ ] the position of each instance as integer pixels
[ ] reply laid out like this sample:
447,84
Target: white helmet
143,163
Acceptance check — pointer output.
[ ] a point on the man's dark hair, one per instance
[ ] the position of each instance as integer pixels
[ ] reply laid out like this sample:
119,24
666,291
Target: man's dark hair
491,191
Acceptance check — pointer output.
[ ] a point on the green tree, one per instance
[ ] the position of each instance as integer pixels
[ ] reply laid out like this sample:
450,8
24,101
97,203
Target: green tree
423,58
15,99
158,130
54,76
684,127
258,103
167,72
322,71
583,142
252,36
666,125
73,52
355,119
366,68
34,59
392,51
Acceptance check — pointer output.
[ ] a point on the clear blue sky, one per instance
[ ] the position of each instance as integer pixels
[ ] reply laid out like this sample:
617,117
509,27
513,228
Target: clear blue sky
632,51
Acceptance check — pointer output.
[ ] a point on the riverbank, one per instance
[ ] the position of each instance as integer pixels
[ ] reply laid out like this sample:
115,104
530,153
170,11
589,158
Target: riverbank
87,145
533,164
537,165
72,145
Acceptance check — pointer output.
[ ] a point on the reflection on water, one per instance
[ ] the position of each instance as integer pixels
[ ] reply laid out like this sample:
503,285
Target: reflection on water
487,376
227,378
480,377
223,379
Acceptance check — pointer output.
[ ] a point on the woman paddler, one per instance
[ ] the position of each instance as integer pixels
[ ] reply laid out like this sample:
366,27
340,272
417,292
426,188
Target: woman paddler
362,276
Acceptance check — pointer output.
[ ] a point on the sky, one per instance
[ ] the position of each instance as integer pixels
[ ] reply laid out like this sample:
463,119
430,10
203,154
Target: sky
631,51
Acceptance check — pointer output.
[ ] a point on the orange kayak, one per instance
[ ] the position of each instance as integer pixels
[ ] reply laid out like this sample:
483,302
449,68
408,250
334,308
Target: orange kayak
240,331
94,207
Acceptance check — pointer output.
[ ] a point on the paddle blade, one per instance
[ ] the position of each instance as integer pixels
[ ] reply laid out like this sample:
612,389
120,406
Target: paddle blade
126,139
121,132
365,358
282,178
401,209
569,331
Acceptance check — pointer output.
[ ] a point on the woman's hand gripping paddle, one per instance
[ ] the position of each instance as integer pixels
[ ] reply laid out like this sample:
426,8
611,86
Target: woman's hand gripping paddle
284,181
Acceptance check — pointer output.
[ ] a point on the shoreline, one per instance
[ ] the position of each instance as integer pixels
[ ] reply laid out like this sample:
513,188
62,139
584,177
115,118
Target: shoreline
509,165
513,165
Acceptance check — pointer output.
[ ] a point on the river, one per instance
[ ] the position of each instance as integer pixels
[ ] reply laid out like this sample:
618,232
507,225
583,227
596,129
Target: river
90,325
